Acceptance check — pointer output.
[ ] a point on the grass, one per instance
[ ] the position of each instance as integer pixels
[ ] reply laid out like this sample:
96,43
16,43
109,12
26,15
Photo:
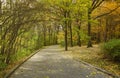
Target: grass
95,57
9,67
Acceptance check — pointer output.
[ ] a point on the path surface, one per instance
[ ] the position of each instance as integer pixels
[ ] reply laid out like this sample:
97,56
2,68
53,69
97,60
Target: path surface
52,63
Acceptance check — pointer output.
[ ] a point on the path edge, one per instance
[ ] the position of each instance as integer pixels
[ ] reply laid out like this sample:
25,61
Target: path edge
97,68
17,66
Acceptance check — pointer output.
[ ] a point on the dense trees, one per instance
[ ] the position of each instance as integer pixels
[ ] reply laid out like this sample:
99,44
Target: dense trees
93,5
26,25
21,26
86,13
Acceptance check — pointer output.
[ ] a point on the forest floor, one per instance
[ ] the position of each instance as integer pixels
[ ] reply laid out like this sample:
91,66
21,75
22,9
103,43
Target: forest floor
95,57
53,62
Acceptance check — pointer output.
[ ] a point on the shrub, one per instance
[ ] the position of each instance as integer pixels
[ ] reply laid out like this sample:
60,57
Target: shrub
2,65
111,49
20,54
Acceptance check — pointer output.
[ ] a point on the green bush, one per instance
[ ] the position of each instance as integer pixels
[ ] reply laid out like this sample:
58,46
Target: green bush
111,49
62,43
20,54
2,65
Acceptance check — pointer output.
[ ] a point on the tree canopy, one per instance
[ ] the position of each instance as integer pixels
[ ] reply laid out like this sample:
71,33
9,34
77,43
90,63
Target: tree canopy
27,25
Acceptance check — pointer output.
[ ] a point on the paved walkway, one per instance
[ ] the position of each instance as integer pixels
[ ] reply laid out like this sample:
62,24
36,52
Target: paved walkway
52,63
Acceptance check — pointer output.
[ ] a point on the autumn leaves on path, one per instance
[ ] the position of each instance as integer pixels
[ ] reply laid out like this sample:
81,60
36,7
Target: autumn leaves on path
51,62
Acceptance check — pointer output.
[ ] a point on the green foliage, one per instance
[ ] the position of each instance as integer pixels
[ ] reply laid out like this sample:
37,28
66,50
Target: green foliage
62,43
84,36
20,54
2,65
111,49
27,28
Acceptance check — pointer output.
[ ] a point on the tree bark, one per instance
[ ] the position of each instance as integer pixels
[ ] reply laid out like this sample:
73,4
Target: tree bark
66,27
44,34
66,45
89,30
78,34
99,33
0,7
70,28
49,30
106,30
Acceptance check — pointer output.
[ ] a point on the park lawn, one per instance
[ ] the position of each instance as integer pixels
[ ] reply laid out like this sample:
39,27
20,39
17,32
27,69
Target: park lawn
95,57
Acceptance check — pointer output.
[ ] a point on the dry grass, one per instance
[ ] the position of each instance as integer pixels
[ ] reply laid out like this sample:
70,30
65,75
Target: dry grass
95,57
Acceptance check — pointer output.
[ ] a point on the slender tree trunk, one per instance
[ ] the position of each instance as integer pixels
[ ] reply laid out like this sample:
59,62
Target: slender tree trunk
56,42
89,30
0,6
38,44
49,30
99,33
54,38
78,34
66,45
0,27
11,44
44,34
57,31
106,30
70,28
50,39
65,30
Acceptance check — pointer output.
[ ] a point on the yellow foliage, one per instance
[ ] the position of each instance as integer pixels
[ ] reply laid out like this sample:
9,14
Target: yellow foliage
107,7
60,36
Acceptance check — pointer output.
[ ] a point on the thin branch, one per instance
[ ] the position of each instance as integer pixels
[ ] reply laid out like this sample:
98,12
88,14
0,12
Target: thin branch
97,4
106,13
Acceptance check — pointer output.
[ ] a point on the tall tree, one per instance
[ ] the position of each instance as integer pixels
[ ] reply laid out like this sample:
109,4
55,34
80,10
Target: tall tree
93,5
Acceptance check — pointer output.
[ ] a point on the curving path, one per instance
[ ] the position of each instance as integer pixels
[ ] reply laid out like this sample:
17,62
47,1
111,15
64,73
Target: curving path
52,63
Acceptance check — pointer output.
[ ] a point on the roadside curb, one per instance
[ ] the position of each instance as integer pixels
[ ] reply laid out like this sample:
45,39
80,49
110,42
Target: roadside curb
17,66
99,69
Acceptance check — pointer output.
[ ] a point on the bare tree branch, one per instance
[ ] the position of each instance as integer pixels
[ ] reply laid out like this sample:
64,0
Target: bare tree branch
106,13
97,4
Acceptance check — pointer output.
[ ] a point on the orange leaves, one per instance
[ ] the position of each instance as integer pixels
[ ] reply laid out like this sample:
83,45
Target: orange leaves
107,7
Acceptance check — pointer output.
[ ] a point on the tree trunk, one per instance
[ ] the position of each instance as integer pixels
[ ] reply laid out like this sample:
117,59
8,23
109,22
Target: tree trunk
66,27
11,43
49,30
89,30
99,33
70,28
57,31
78,34
66,45
106,30
0,6
44,34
